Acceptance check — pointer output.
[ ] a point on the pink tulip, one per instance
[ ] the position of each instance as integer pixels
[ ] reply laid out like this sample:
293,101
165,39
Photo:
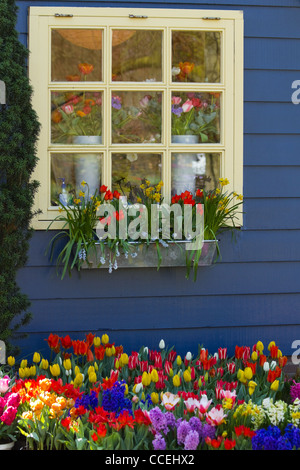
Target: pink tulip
187,106
216,416
68,108
176,100
4,384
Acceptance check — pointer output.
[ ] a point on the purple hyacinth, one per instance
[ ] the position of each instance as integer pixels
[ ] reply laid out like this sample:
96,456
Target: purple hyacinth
116,102
191,441
159,443
177,111
158,420
182,431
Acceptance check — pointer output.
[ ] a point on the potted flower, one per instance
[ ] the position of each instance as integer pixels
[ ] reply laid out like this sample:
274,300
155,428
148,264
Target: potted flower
195,116
9,403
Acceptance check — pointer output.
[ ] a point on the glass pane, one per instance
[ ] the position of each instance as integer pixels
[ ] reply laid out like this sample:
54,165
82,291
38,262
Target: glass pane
129,170
136,55
196,116
192,171
69,170
75,116
76,55
196,56
136,117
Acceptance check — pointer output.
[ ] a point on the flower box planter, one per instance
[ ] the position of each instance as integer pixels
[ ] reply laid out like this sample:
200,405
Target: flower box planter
141,256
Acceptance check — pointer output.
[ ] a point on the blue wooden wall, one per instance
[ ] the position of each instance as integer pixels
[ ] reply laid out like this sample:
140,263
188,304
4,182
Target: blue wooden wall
254,292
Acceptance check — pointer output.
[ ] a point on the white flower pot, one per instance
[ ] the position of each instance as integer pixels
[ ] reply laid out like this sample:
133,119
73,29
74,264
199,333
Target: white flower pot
7,446
184,174
88,165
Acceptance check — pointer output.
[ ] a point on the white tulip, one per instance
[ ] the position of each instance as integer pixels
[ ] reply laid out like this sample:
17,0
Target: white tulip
162,344
266,367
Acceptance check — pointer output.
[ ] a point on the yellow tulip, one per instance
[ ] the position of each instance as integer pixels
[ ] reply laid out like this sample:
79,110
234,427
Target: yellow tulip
27,371
55,370
279,353
11,361
36,357
171,373
272,343
275,385
254,356
117,364
154,398
92,377
23,363
176,380
105,339
146,379
22,372
32,371
44,364
241,376
260,346
109,352
251,386
78,380
154,375
178,360
124,359
97,341
67,364
76,370
187,375
248,373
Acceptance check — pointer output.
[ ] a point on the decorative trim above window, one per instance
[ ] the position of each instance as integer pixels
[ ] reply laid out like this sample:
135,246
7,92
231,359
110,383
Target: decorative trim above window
126,94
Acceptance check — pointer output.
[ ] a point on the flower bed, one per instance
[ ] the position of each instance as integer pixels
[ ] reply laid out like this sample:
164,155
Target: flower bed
91,395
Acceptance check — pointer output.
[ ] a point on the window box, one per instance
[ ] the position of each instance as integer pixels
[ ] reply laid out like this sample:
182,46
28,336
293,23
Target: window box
146,256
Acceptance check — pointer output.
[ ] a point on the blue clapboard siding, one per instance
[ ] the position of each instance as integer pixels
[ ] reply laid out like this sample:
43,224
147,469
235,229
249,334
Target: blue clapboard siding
253,293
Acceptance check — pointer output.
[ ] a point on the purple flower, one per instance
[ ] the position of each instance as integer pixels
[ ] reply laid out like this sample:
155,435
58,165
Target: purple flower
191,441
158,420
159,443
182,431
177,111
170,419
295,391
207,431
196,424
116,102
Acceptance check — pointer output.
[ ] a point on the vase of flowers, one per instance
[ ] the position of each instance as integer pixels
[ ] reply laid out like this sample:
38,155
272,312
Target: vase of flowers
88,165
197,115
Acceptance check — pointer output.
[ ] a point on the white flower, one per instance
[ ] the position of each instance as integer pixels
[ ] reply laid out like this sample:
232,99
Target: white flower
162,344
273,365
175,71
266,367
138,387
188,356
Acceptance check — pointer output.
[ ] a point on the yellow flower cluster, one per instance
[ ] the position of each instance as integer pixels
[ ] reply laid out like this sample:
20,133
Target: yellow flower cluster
153,192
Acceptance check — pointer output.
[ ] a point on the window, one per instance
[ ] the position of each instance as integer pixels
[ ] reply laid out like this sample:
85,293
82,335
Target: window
126,94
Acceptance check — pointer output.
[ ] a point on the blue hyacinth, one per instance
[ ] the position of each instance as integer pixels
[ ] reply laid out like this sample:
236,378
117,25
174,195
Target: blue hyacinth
113,399
272,438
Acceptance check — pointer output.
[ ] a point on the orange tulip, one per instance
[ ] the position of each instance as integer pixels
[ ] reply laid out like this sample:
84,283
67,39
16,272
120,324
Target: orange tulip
85,68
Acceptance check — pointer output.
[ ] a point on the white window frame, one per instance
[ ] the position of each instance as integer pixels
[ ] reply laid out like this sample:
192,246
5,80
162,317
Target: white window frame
230,148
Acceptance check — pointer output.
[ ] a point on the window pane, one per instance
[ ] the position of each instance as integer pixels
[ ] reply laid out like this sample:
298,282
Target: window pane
76,55
196,115
75,114
129,170
136,55
196,56
192,171
136,117
72,169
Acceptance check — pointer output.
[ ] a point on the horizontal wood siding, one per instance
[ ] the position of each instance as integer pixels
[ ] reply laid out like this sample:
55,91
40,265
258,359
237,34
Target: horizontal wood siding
253,292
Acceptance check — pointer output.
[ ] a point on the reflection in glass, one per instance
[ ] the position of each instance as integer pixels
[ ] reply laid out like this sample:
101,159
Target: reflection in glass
76,55
75,114
136,117
197,115
192,171
136,55
196,56
70,170
129,170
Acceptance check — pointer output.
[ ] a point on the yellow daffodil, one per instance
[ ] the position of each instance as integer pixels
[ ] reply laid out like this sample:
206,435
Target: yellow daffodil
83,183
81,194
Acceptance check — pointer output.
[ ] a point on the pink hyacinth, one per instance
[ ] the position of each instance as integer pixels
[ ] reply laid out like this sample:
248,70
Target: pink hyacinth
295,391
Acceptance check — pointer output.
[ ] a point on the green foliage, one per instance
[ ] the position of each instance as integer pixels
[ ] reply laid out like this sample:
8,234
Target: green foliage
19,129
